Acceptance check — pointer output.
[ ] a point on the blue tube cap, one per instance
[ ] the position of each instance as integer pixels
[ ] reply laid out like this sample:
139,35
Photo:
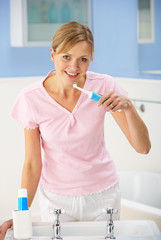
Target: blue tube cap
22,200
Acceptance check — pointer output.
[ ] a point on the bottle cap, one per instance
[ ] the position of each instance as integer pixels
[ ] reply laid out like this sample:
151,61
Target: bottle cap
22,192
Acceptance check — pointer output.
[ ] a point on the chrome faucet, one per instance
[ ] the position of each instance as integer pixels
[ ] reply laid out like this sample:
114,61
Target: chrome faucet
56,225
110,224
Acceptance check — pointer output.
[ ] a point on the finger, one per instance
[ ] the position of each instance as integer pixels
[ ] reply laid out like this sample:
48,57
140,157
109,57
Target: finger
108,107
120,105
114,105
110,103
112,108
103,99
116,109
125,105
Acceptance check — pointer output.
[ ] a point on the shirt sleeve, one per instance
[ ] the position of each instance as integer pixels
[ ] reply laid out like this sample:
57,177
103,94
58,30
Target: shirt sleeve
22,112
114,86
119,89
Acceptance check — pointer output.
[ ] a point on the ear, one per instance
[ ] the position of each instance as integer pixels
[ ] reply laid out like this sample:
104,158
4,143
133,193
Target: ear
52,54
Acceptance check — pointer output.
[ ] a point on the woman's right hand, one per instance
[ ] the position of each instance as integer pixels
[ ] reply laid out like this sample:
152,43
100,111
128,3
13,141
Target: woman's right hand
4,227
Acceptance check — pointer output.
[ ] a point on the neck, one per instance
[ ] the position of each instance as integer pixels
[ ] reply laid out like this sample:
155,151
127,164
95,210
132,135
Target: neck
63,88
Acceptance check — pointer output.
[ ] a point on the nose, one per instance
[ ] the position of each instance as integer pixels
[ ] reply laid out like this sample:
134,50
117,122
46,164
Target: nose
74,64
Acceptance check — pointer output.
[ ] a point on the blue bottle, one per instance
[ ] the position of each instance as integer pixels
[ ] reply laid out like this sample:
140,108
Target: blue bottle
33,14
65,13
52,13
22,200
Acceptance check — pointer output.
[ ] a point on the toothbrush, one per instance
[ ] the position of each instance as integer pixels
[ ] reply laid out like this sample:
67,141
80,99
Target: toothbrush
92,95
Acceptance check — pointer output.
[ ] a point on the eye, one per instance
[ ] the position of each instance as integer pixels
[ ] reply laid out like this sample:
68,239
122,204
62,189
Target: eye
66,57
84,59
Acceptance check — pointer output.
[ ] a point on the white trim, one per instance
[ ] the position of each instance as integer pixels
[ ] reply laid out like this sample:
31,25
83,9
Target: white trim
152,38
16,23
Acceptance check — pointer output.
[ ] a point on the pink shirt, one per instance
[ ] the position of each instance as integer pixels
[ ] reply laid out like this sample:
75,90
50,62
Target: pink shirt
76,161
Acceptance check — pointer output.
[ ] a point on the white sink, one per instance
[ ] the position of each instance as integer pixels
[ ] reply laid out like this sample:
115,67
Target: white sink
124,230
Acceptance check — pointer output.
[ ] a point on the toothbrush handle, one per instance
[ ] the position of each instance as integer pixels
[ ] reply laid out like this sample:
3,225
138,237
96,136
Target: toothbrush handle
95,96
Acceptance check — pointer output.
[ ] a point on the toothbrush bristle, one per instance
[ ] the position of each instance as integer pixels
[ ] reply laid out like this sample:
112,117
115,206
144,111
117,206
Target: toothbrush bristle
74,84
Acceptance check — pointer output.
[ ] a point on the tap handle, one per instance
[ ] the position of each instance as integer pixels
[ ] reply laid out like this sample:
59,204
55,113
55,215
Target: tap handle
111,211
57,211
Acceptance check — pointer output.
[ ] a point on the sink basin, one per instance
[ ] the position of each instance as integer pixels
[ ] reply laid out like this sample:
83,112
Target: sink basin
124,230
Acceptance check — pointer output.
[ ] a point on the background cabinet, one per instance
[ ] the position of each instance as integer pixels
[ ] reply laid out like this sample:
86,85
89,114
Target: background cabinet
34,22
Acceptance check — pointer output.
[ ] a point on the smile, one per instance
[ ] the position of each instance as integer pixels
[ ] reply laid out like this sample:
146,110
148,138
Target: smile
71,74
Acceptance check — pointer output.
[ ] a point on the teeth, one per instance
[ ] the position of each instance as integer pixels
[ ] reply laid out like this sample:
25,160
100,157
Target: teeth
72,74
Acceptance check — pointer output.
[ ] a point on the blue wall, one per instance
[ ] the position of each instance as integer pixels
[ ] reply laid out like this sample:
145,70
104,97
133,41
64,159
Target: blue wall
150,54
114,27
115,35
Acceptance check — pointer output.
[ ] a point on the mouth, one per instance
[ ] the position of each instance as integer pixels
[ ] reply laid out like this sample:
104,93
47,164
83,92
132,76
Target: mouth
72,75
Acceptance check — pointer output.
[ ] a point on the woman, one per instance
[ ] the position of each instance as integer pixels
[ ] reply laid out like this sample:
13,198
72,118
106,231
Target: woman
77,173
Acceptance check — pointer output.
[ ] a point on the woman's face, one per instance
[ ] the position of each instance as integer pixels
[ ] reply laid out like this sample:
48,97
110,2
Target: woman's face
72,65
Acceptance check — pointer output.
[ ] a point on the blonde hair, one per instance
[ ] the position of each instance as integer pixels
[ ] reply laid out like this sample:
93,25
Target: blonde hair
71,33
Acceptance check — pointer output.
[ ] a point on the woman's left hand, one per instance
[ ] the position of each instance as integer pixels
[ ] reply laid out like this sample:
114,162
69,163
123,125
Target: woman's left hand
113,101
